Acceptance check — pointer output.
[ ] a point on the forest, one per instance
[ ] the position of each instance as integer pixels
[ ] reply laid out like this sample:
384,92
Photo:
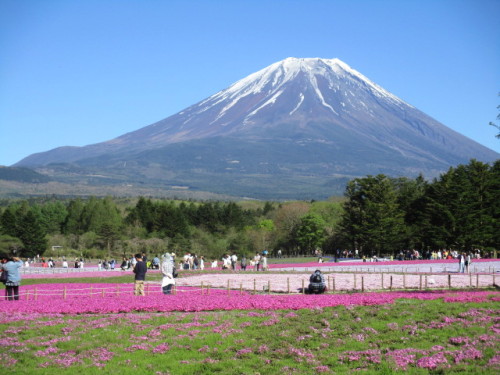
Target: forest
378,215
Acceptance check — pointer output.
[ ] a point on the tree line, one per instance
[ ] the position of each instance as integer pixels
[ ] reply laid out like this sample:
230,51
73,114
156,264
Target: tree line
378,215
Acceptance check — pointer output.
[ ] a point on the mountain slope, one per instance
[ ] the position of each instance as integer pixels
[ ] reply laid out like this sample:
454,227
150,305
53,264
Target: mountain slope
312,119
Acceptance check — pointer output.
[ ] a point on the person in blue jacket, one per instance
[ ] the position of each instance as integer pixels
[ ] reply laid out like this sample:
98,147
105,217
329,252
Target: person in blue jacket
13,278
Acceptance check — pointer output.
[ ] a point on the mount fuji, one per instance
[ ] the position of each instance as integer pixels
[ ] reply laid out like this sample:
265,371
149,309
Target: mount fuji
297,129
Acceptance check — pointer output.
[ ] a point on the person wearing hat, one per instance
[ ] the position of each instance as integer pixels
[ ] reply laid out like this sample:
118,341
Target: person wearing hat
317,283
167,270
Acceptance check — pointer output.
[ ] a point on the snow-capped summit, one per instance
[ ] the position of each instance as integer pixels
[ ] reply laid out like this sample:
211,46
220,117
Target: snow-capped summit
298,119
290,86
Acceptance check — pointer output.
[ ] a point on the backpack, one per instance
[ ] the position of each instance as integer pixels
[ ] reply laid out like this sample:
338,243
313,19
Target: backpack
317,278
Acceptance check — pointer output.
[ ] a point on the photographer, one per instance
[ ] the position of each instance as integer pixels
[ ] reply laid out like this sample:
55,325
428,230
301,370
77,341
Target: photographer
316,283
12,277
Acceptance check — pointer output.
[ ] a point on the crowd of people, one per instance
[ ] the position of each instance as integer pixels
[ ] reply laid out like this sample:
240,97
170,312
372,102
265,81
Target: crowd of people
257,263
409,254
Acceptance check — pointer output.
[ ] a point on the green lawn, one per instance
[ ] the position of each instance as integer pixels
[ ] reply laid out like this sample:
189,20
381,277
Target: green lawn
410,336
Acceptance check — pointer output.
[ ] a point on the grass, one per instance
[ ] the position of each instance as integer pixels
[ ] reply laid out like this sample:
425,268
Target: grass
292,260
89,280
409,336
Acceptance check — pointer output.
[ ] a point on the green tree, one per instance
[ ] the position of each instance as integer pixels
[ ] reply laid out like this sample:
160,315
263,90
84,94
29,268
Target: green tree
9,222
170,221
10,244
372,220
32,235
102,216
53,216
410,198
266,227
108,233
310,233
73,223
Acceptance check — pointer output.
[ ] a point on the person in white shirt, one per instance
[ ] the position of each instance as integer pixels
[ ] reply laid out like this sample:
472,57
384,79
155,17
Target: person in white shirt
234,259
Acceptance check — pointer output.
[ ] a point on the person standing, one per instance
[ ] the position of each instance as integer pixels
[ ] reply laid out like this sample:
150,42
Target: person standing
263,261
243,263
461,263
234,259
256,260
140,270
167,270
468,262
13,279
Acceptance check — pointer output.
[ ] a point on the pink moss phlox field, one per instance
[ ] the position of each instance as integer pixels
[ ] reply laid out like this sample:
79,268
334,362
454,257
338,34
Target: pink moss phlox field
125,301
90,273
379,263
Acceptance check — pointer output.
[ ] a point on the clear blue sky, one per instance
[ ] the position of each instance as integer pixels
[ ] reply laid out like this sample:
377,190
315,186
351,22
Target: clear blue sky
81,72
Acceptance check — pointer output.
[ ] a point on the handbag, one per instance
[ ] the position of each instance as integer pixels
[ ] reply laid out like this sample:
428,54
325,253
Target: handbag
174,272
3,277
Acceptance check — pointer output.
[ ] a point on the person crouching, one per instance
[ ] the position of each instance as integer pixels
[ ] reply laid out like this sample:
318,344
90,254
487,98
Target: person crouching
316,283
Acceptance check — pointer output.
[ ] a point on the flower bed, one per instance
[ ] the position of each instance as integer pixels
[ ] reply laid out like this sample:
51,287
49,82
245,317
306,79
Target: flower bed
118,298
286,283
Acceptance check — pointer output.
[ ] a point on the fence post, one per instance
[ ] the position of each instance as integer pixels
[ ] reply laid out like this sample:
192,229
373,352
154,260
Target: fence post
477,280
64,293
228,287
425,281
303,288
390,286
268,286
420,286
333,281
404,281
241,289
288,284
354,274
362,284
202,288
254,286
449,281
470,280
